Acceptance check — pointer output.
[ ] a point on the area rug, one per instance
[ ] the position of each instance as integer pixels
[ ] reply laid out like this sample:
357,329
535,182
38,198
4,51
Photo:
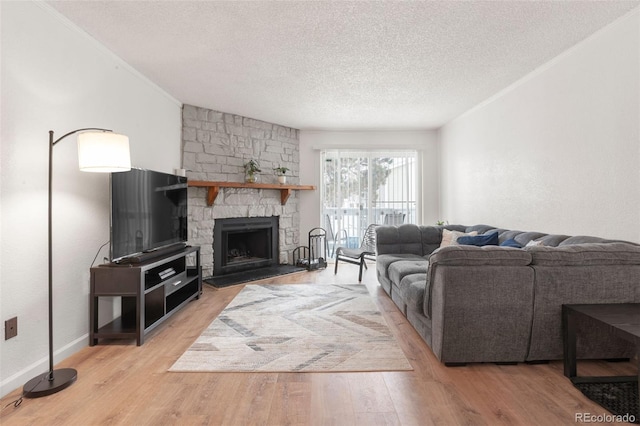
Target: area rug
296,328
620,398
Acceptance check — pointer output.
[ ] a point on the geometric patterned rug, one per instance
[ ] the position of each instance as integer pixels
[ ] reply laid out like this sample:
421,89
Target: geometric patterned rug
296,328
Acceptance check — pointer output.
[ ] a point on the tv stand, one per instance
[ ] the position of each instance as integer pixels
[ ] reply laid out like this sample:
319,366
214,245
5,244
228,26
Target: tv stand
150,292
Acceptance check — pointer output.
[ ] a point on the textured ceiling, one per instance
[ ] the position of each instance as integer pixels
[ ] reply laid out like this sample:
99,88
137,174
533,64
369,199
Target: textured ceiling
339,64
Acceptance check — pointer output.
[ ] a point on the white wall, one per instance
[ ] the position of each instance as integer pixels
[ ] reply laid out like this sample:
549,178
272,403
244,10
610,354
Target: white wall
312,142
55,77
557,152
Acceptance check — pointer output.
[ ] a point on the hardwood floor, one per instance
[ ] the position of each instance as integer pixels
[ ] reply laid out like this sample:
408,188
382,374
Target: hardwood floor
120,383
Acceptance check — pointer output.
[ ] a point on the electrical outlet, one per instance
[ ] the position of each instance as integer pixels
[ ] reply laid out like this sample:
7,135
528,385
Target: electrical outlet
10,328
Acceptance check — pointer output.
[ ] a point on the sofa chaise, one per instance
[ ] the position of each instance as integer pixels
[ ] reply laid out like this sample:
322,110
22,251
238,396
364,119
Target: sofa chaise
500,303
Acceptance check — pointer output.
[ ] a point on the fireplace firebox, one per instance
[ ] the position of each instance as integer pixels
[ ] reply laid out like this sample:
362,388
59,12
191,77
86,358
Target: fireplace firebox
241,244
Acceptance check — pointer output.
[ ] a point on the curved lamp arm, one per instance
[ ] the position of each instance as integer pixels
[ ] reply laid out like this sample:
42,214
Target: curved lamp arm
52,142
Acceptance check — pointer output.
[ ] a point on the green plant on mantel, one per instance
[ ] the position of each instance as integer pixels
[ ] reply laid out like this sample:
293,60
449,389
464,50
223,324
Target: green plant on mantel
442,222
251,168
281,171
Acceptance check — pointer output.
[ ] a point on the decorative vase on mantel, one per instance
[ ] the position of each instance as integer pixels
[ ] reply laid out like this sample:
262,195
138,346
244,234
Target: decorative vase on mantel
251,169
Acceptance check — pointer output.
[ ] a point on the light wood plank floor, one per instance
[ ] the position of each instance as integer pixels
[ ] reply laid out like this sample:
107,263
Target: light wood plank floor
122,384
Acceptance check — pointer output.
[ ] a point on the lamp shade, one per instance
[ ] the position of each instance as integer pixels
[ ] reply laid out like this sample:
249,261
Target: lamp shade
103,152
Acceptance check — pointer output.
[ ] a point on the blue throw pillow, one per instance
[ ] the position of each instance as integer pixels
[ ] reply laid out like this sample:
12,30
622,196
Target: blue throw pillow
480,240
511,243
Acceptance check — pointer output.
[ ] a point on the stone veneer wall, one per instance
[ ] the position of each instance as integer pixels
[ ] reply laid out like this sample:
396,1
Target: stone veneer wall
215,147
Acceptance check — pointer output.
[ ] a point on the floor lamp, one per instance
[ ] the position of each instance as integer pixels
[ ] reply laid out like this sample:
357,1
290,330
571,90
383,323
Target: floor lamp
99,150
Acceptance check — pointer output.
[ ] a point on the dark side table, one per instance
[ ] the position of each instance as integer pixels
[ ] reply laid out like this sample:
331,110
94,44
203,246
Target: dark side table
622,320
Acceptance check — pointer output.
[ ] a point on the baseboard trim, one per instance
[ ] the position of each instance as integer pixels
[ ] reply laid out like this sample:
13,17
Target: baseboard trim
18,379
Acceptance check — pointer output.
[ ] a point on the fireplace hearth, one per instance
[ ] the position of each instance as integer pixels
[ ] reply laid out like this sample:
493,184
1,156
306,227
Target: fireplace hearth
242,244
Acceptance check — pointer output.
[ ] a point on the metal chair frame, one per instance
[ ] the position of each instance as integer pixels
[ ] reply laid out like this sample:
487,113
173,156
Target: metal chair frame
367,251
336,238
394,218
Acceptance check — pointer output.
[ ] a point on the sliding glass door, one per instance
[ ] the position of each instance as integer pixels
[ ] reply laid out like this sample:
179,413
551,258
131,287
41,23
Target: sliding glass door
364,187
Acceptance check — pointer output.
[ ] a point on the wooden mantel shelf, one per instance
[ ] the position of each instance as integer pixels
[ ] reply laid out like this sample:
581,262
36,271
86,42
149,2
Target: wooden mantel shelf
214,188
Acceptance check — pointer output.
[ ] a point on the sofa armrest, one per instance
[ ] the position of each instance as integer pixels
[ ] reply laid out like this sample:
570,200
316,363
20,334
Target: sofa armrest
480,302
481,313
469,256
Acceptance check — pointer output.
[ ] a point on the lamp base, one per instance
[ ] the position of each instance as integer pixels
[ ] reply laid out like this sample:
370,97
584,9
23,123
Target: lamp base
41,385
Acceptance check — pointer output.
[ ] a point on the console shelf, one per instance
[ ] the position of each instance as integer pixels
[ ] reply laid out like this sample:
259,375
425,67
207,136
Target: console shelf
214,188
149,292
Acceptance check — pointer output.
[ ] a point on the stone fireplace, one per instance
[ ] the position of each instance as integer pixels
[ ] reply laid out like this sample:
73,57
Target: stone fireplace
215,147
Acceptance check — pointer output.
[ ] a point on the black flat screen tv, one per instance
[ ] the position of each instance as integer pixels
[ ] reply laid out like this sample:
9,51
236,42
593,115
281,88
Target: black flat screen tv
148,212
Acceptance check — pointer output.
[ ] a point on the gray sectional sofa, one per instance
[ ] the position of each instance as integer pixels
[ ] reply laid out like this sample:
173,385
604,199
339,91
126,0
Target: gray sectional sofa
503,304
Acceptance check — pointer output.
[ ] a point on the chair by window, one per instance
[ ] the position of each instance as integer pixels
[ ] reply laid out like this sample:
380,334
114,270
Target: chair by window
357,256
334,239
394,218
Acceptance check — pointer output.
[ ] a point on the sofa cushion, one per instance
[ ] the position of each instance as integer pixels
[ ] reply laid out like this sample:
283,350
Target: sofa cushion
400,269
509,235
405,239
510,243
480,229
450,238
524,237
479,240
487,255
431,237
412,289
553,240
582,239
586,254
383,261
